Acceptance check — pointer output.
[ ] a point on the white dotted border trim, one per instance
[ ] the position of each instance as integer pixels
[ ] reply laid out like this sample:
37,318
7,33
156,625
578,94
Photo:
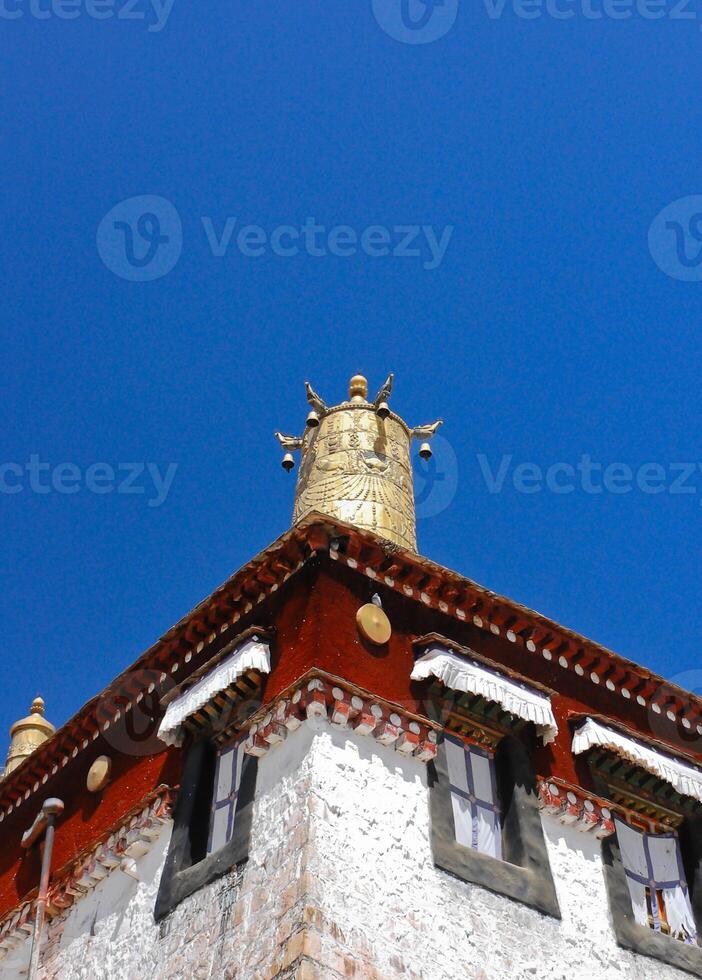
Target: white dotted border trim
512,637
175,667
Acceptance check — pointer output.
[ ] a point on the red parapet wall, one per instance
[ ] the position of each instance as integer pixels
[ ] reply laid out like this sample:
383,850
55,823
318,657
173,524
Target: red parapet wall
311,606
87,817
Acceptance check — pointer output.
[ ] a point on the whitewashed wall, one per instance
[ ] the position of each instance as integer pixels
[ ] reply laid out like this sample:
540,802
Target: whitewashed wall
340,883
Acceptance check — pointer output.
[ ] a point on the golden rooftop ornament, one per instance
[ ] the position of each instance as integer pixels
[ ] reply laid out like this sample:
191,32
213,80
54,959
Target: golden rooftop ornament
355,462
28,734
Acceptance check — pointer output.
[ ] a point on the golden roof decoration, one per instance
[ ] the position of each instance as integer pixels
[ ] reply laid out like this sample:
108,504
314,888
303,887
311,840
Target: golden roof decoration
28,734
355,462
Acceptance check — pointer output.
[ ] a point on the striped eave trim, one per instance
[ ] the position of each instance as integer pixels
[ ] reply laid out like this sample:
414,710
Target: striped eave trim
186,646
438,588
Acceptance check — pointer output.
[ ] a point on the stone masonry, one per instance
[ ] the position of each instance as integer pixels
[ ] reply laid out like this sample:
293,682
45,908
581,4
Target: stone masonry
340,883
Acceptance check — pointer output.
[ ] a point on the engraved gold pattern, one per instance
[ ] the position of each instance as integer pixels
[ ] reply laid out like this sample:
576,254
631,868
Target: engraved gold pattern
355,464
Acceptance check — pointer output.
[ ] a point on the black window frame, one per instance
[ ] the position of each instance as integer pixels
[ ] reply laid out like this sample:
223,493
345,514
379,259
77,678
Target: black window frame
524,871
188,867
639,938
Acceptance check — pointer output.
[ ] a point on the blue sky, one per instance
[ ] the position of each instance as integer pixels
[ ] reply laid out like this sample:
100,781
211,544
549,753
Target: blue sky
547,330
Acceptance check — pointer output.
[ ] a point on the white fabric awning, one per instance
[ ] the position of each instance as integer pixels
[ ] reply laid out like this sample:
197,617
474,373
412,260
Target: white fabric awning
683,777
251,654
466,675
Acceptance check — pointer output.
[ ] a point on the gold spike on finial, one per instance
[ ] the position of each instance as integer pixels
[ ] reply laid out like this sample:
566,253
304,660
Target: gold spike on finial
315,401
383,395
355,462
28,734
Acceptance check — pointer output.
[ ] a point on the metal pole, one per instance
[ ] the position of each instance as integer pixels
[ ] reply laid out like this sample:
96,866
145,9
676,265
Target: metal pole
41,899
44,823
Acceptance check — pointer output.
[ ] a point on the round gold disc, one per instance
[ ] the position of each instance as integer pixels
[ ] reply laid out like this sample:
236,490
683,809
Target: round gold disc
99,774
373,624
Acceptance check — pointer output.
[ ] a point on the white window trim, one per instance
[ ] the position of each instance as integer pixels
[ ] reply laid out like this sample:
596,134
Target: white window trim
252,654
684,778
463,674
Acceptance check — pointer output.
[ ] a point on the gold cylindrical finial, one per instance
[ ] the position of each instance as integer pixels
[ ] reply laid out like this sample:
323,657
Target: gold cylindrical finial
355,462
27,735
358,387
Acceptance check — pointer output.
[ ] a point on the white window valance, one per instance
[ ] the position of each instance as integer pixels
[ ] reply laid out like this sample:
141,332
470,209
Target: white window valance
684,778
463,674
251,654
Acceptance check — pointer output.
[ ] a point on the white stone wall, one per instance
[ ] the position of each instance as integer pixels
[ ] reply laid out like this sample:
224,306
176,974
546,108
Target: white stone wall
340,883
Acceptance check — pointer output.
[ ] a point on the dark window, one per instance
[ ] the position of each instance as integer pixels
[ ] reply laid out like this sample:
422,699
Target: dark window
492,835
652,916
474,798
211,822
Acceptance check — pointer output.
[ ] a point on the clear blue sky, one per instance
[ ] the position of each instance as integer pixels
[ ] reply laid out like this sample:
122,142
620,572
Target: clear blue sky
546,331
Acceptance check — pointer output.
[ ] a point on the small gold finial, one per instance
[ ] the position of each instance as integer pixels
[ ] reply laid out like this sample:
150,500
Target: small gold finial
28,734
358,387
38,706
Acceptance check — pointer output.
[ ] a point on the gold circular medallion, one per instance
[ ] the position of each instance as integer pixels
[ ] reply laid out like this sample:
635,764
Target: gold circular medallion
99,774
373,624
